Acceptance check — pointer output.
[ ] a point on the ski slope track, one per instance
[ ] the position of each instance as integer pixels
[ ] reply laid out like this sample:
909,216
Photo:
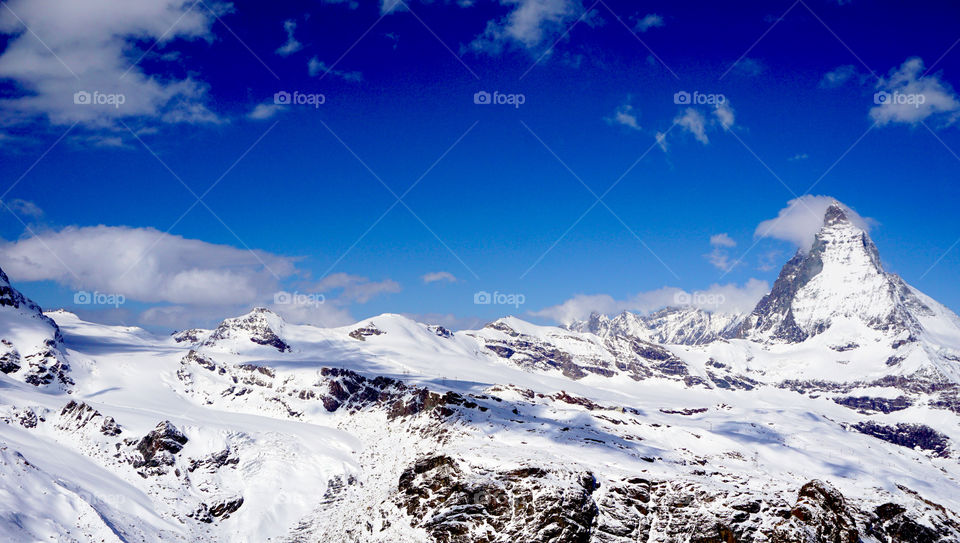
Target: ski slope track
828,414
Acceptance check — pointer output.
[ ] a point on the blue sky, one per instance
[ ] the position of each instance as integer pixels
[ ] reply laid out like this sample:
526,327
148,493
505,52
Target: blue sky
498,198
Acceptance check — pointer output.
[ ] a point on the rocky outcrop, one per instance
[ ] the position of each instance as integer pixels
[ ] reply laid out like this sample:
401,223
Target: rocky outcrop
256,326
908,435
821,514
361,334
866,404
159,447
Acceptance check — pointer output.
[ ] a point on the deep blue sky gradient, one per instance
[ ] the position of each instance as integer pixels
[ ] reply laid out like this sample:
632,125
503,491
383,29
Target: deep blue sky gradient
499,199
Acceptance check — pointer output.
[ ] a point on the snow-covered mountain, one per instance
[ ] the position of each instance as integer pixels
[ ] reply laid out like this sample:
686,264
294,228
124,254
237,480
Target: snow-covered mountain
829,414
30,342
838,282
670,325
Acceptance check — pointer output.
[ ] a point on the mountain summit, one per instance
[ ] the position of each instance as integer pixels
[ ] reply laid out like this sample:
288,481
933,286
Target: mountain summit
839,279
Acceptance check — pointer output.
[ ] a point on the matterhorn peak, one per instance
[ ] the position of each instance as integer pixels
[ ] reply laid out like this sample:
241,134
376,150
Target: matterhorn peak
839,278
835,214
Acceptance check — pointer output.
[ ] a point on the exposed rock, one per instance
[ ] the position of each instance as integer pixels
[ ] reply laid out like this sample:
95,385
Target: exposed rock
908,435
10,361
192,335
821,514
256,326
363,333
160,445
866,403
218,511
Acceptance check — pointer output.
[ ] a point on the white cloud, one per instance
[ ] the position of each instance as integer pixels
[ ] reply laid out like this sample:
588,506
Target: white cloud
292,45
95,44
693,122
25,208
749,67
652,20
799,156
661,139
316,67
433,277
392,6
264,111
352,4
838,76
728,298
354,288
625,115
912,97
146,265
528,25
719,257
722,240
724,114
326,315
800,221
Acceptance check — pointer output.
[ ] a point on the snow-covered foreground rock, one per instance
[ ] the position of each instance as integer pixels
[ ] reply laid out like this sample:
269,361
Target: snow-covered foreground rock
829,414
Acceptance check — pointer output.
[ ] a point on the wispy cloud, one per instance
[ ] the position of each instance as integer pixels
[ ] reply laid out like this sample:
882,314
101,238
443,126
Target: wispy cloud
625,115
439,276
317,67
291,46
651,20
838,76
719,256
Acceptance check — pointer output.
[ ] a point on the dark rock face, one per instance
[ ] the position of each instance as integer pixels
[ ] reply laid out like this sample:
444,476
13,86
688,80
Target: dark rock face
10,361
821,514
160,445
866,403
457,503
894,524
349,390
774,312
440,331
214,462
523,504
731,381
46,367
188,336
77,415
255,325
908,435
362,334
218,511
949,400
